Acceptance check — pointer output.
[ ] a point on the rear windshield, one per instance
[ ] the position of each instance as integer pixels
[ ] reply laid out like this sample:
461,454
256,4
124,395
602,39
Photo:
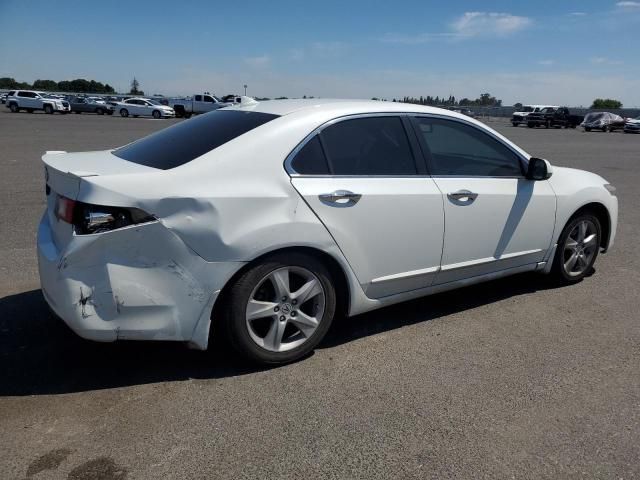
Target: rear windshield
189,139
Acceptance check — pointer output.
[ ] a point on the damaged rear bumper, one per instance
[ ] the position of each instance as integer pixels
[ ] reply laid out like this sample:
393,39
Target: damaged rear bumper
136,283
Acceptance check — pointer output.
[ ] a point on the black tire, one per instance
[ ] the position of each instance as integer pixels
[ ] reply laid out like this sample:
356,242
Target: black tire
124,112
234,324
606,129
29,110
558,271
587,129
77,113
547,124
514,124
187,115
530,124
48,109
156,114
99,111
14,108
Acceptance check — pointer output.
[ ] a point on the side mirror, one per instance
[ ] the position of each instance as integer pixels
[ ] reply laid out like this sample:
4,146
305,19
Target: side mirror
539,169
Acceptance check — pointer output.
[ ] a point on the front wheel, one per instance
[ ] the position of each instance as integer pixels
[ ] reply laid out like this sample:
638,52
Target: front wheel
48,109
156,114
587,129
14,108
124,112
577,249
280,309
515,124
100,111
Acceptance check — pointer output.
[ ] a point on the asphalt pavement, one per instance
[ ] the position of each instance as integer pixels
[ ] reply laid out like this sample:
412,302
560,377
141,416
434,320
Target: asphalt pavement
509,379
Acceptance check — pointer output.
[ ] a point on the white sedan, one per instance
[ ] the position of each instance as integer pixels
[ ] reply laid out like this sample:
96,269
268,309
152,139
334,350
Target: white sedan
144,107
265,221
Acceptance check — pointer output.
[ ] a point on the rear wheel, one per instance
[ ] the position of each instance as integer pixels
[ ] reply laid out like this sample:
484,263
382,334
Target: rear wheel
606,129
280,309
530,124
48,109
156,114
515,124
587,129
29,110
124,112
577,249
99,111
14,108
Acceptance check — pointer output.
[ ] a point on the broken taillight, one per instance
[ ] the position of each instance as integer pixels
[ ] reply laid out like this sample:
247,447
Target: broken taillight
90,219
64,209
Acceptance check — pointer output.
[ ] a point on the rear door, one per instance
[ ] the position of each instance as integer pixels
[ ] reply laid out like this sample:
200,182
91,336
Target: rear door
361,178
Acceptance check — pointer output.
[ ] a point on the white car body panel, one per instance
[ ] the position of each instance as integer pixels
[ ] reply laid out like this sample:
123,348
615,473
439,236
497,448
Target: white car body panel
509,224
161,279
364,230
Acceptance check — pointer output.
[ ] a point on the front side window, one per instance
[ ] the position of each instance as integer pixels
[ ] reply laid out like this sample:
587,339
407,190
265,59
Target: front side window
368,146
186,141
198,98
456,148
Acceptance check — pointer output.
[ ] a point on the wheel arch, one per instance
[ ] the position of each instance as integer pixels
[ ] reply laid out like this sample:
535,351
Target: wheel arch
601,212
337,271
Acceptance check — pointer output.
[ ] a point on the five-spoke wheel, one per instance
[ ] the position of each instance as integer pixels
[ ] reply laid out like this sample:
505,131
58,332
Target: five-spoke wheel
279,309
577,248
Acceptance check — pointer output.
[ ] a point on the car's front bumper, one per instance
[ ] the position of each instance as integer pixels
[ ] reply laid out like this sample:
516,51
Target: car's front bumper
137,283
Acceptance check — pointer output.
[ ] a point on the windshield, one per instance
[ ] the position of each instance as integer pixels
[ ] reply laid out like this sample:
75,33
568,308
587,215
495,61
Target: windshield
185,141
154,102
527,108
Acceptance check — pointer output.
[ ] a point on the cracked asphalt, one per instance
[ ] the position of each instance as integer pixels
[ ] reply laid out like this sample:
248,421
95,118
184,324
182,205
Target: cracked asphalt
509,379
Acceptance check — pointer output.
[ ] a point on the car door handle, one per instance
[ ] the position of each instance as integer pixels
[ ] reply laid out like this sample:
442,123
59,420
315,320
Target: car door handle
340,197
465,196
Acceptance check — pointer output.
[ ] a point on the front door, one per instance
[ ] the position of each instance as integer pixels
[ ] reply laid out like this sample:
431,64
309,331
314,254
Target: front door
495,218
361,179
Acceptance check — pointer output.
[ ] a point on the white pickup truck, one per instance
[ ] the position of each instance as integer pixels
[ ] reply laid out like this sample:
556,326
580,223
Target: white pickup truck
198,103
31,101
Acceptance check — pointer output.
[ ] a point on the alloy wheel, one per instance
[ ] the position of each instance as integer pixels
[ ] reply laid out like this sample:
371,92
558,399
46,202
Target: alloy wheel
580,247
285,309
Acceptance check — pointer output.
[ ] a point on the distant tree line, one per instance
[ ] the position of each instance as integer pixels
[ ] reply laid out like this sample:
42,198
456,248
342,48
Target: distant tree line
606,103
485,100
77,85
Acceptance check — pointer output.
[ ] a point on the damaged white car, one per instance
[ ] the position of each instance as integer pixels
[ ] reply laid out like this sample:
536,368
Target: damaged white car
265,221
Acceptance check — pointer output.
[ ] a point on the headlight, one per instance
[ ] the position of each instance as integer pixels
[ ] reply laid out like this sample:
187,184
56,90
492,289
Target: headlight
610,188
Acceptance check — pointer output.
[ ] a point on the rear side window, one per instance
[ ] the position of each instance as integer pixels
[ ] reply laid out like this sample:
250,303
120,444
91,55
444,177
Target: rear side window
189,139
310,160
368,146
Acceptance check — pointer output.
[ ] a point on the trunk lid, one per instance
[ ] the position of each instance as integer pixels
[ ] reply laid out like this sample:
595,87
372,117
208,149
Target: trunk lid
64,173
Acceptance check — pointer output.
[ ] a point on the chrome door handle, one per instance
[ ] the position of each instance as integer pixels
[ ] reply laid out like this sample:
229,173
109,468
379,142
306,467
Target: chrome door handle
340,197
465,196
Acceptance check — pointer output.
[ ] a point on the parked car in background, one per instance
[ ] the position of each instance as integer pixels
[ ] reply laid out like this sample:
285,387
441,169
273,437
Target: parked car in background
198,103
31,101
465,111
183,234
143,107
605,121
557,117
6,95
89,105
520,117
632,125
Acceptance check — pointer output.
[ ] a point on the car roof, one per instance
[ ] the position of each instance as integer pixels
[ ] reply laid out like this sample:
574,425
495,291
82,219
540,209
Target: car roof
286,107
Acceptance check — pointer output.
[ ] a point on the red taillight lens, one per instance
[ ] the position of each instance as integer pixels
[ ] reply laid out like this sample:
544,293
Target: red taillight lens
64,209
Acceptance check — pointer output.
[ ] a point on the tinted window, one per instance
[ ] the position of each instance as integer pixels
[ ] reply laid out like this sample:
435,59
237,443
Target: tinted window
310,160
192,138
455,148
198,98
368,146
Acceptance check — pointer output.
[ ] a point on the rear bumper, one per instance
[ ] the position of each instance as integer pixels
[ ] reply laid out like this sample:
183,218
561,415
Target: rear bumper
136,283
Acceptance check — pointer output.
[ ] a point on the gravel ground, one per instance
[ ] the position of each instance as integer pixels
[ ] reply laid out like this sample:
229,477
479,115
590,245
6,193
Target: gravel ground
510,379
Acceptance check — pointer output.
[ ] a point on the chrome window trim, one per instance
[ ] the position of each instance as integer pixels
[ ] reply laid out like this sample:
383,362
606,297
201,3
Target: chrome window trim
524,162
292,173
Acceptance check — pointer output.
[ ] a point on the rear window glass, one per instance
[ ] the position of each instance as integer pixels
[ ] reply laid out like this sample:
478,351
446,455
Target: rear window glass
189,139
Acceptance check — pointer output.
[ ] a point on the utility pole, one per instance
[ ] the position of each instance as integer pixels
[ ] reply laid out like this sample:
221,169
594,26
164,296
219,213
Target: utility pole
245,90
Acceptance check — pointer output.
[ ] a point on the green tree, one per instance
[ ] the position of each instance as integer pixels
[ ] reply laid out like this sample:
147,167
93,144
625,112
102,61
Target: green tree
606,103
10,83
517,106
135,87
48,85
